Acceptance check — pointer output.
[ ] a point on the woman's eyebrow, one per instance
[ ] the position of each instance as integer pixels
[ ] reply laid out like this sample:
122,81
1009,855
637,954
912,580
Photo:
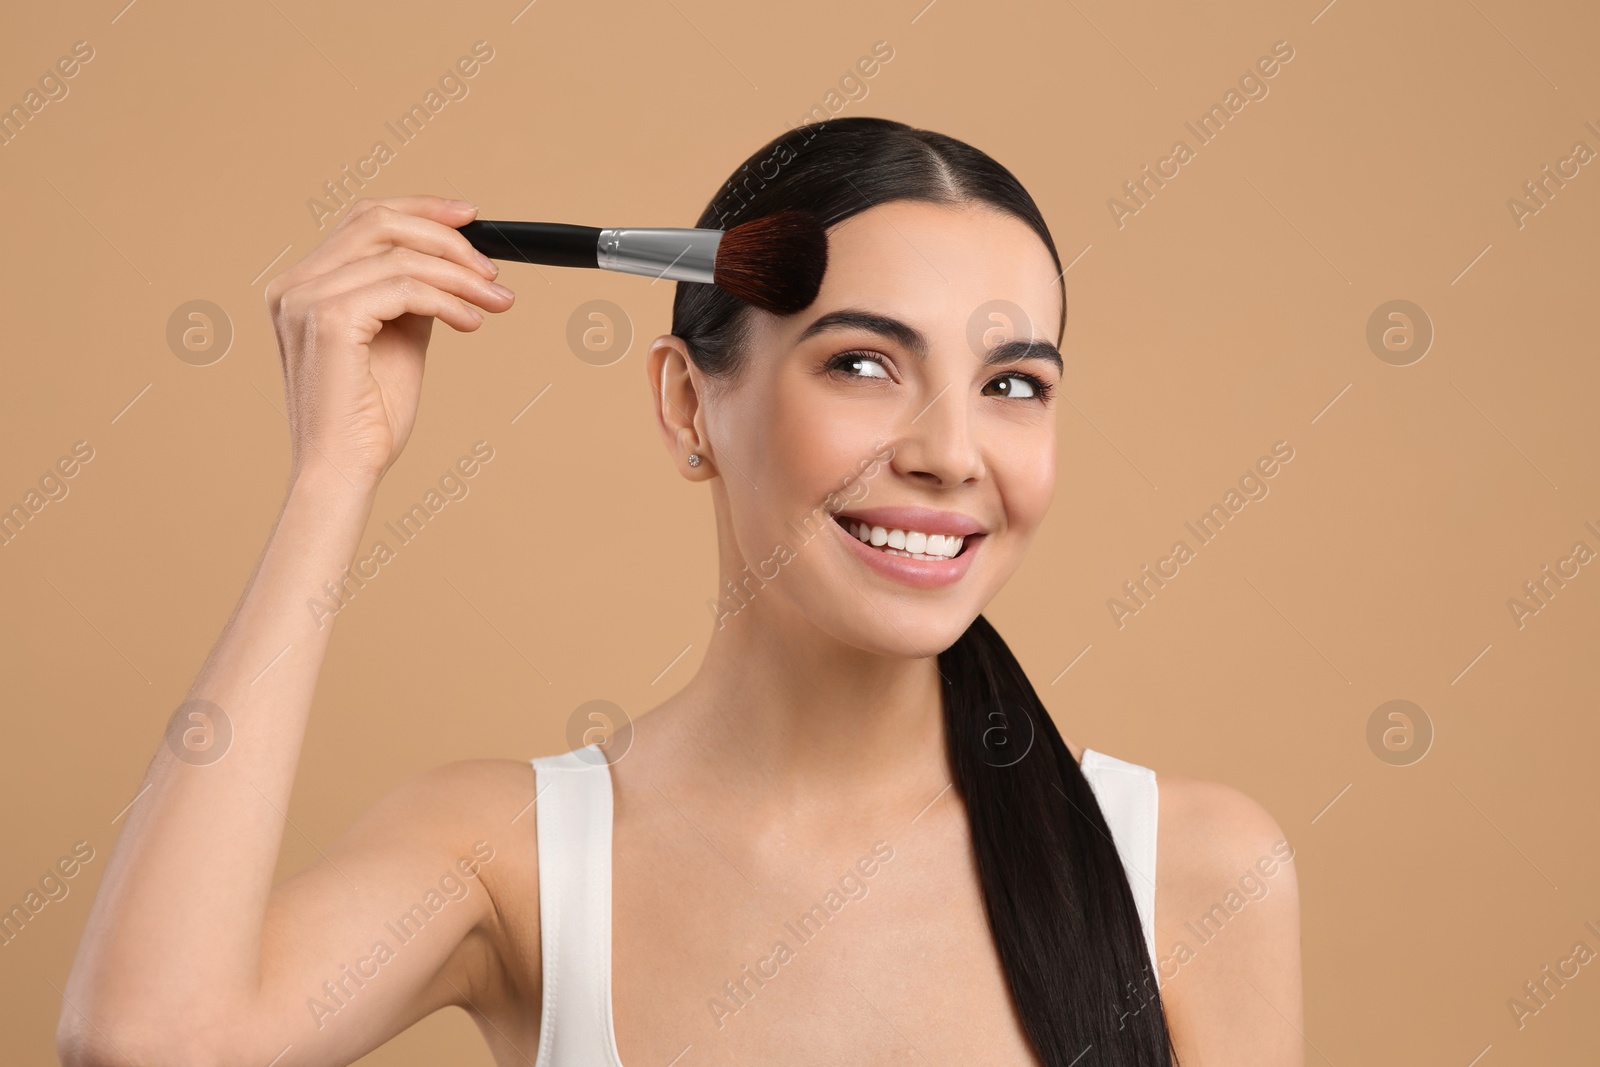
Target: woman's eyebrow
912,339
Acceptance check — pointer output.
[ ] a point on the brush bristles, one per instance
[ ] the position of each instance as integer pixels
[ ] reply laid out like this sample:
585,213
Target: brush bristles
775,262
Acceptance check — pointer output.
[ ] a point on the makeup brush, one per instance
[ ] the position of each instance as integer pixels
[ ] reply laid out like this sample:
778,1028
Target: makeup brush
775,262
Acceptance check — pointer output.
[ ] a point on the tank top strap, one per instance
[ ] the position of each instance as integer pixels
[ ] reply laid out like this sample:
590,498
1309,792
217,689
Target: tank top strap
573,809
1126,793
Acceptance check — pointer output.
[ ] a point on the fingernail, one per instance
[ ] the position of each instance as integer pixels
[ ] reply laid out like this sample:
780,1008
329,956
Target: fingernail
501,290
490,265
465,205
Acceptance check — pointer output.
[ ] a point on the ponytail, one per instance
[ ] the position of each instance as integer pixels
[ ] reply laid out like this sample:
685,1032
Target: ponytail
1059,905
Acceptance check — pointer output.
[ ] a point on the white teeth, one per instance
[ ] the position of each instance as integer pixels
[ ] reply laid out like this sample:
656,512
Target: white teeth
913,543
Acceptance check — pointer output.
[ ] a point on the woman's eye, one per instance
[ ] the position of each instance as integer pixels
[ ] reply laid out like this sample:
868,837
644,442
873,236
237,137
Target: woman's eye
858,363
1016,386
1022,387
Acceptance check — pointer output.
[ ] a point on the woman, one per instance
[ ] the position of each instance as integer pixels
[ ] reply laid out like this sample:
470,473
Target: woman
855,835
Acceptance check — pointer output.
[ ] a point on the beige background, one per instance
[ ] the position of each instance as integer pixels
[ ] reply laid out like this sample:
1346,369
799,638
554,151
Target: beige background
1231,312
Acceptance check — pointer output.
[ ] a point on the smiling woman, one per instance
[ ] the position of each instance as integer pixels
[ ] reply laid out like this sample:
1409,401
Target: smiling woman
861,700
924,230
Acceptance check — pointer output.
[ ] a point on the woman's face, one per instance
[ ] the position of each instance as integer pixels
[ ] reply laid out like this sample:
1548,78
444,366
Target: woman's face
877,399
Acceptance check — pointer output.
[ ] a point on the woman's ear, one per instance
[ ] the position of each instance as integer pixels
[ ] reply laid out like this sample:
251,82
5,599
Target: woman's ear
675,388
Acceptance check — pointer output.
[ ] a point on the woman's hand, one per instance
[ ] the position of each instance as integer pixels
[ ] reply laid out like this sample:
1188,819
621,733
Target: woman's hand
353,319
194,952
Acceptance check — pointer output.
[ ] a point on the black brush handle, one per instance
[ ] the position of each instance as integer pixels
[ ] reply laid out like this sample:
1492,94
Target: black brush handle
556,244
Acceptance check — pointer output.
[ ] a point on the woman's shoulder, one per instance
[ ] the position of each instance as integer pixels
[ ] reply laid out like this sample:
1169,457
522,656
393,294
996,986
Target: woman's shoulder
1216,843
1227,900
1208,833
481,806
448,848
464,800
1212,823
483,809
1205,829
483,803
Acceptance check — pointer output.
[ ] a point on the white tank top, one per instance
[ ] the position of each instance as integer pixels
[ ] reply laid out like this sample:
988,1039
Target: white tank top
573,809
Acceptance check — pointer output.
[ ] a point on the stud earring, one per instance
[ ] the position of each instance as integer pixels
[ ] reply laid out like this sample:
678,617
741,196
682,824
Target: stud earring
694,459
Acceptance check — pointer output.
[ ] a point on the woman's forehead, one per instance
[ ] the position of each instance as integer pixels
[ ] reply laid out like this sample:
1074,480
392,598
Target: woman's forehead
936,266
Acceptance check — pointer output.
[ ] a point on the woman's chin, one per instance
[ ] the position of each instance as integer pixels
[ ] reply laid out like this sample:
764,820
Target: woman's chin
906,633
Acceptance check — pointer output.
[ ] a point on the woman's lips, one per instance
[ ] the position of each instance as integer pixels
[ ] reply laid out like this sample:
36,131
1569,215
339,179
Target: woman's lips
919,573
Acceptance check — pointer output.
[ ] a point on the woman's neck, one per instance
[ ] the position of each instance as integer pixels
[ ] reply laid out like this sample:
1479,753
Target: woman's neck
790,716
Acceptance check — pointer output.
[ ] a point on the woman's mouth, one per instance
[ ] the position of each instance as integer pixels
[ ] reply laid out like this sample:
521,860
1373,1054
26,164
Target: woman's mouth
912,543
910,557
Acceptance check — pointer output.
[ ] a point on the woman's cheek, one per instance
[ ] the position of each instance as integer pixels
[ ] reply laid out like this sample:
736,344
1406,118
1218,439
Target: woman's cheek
838,444
1030,489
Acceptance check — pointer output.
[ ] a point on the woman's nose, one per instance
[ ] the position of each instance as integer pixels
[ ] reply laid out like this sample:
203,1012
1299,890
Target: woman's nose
938,443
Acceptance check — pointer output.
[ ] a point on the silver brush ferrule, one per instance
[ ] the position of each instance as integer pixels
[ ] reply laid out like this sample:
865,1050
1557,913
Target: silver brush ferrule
680,255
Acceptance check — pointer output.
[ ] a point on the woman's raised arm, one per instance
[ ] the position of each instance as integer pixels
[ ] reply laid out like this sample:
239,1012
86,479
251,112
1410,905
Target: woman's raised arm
190,954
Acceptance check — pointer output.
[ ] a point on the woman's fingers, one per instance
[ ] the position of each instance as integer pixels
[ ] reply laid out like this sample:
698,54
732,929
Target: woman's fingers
394,262
375,225
365,309
437,208
382,226
353,319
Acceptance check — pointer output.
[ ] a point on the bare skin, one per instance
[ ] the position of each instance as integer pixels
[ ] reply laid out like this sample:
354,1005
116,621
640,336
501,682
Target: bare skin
810,734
